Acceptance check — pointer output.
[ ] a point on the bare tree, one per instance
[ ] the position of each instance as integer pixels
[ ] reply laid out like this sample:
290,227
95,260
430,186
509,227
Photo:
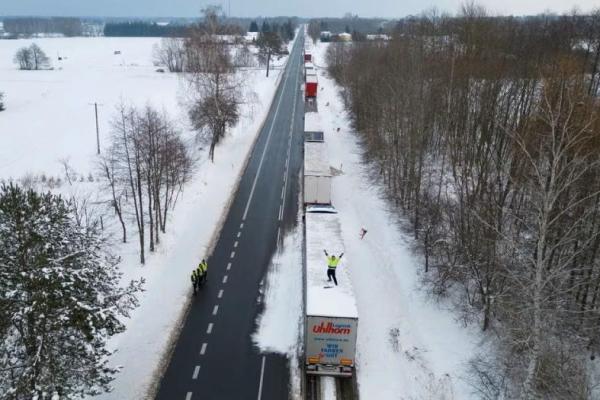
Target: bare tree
170,53
108,165
31,58
314,30
39,59
217,93
23,57
149,162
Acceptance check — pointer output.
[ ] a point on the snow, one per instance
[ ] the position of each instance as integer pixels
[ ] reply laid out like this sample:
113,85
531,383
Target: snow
282,297
328,391
48,118
49,114
312,122
408,346
316,160
324,298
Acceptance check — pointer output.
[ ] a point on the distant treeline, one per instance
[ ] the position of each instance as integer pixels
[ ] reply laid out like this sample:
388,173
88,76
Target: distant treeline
34,25
141,28
353,23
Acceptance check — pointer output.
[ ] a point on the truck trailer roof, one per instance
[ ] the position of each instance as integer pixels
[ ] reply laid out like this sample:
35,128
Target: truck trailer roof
312,122
323,232
316,159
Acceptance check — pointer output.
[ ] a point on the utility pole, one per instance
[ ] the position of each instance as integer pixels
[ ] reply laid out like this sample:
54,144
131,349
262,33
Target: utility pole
268,60
97,126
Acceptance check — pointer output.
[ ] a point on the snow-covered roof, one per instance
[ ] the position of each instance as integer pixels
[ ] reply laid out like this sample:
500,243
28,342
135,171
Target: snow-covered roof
316,160
323,232
380,36
311,78
312,122
251,37
346,37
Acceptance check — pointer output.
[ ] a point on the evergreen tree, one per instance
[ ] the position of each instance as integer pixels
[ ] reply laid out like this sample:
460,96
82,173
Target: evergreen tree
60,299
253,27
2,108
265,27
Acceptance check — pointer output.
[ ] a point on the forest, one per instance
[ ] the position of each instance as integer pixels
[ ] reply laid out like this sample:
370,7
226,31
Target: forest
485,133
39,25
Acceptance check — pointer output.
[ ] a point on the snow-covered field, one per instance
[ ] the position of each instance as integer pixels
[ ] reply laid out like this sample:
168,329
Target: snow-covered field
409,347
49,118
49,115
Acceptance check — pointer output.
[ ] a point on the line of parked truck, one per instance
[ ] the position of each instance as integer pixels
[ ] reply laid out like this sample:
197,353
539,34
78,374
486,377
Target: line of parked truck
310,74
331,315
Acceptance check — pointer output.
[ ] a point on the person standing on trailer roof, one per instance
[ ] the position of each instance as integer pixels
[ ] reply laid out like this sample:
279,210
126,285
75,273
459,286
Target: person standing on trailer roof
332,263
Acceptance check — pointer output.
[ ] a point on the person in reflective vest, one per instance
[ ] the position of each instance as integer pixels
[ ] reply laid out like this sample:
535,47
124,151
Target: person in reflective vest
332,263
195,279
203,268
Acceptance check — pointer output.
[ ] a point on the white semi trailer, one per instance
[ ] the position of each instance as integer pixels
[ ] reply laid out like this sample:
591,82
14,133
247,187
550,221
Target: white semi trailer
331,318
317,174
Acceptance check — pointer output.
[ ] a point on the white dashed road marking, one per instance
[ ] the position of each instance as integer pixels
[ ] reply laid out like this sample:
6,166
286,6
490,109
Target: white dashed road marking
232,254
220,294
196,372
188,396
209,330
215,310
225,279
203,349
228,266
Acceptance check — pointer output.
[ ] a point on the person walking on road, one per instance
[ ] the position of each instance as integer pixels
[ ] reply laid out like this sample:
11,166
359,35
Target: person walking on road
195,280
332,263
203,268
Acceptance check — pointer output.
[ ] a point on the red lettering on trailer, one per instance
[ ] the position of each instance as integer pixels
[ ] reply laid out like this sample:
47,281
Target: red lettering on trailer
329,328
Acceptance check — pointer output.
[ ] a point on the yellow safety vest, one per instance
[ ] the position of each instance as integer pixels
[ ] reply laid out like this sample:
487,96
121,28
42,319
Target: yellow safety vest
203,266
332,262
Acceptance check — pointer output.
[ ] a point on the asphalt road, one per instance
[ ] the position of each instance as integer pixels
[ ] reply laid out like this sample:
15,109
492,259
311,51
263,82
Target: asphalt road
214,357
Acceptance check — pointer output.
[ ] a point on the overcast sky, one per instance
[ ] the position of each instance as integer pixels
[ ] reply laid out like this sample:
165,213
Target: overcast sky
252,8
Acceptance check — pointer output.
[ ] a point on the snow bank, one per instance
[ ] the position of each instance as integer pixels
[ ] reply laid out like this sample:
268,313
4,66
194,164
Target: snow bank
279,324
408,347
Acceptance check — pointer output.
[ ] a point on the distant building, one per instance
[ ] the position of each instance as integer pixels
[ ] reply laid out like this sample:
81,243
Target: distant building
325,36
382,37
251,37
344,37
